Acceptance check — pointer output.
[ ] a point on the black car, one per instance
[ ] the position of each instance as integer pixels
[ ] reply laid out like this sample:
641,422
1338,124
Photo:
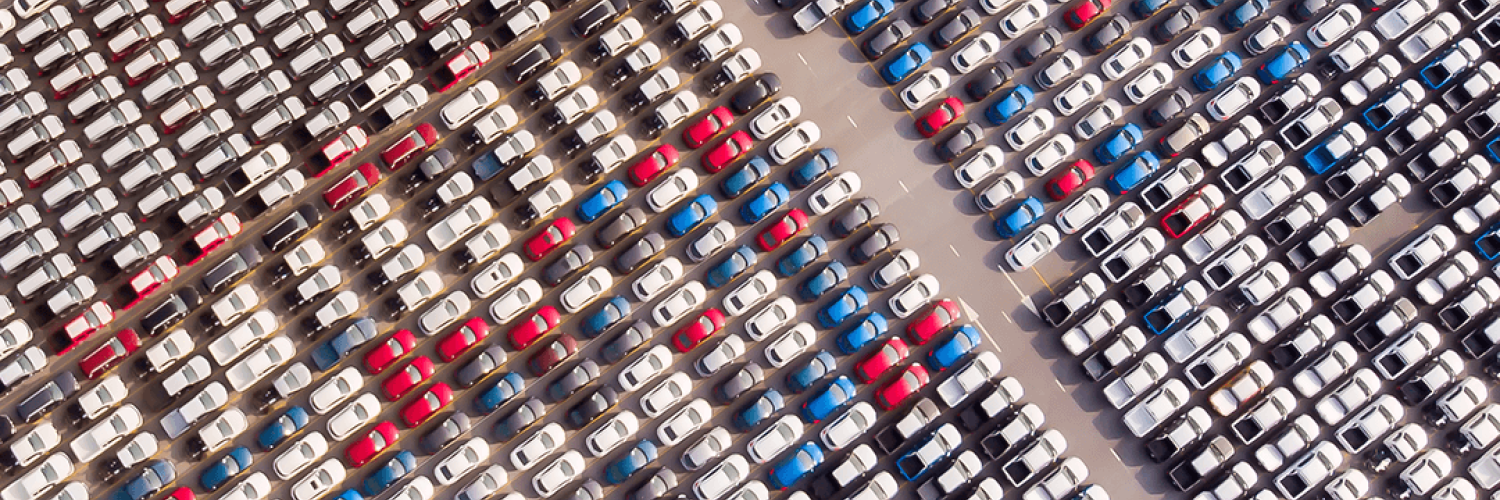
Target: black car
639,252
487,11
292,228
567,264
539,56
755,92
886,37
1169,106
491,359
960,142
1174,23
171,312
926,11
596,16
623,225
519,419
1304,10
592,406
626,342
451,428
1112,29
231,269
41,402
571,381
855,216
1043,43
955,29
884,236
989,80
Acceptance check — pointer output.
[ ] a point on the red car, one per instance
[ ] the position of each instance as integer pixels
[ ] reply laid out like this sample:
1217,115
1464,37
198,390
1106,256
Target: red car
551,354
213,236
789,225
652,166
337,150
703,130
462,339
383,356
110,354
181,493
541,323
551,237
939,316
1070,180
871,368
903,387
422,137
379,438
1192,211
352,187
1084,12
728,150
946,112
431,402
416,371
86,323
460,66
688,337
162,270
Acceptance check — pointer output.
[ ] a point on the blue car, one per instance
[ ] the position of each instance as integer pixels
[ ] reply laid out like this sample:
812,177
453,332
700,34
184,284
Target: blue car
1130,175
754,413
906,63
349,494
329,353
816,285
914,464
745,176
1217,71
1242,15
395,468
866,330
636,459
736,262
1492,149
610,314
1323,157
794,467
838,393
501,391
236,461
766,201
1010,104
946,354
1161,318
1145,8
867,14
691,214
605,198
1283,63
847,304
1119,143
290,421
814,168
156,475
815,368
1019,218
1441,70
798,259
1488,243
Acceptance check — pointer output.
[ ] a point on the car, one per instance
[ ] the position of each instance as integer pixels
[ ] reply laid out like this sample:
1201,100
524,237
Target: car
906,63
975,52
156,475
1174,23
1147,84
1282,63
1117,144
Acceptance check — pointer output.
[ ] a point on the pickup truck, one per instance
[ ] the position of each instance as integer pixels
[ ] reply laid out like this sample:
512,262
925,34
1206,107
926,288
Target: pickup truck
1179,434
1089,288
891,438
1026,421
860,461
1007,391
960,471
1166,272
919,460
968,378
1189,472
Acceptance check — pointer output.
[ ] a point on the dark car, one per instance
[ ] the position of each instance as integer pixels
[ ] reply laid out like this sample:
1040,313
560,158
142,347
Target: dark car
451,428
637,253
928,10
1169,106
170,312
886,38
432,167
551,354
1304,10
539,56
626,342
156,475
960,142
567,264
1174,23
624,225
955,29
989,80
1043,43
571,381
591,407
231,269
519,419
596,16
41,402
656,487
1112,29
855,216
884,236
491,359
292,228
758,90
738,384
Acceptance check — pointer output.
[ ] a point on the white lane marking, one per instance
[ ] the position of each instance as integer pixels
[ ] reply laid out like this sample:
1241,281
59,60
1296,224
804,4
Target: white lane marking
967,310
851,121
986,334
804,61
1007,317
1117,456
1025,300
903,186
955,251
1059,385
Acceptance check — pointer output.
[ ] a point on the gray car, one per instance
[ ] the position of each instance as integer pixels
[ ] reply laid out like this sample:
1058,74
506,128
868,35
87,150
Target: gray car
481,366
626,342
656,487
884,236
887,38
857,215
570,382
740,383
570,262
520,419
623,225
639,252
451,428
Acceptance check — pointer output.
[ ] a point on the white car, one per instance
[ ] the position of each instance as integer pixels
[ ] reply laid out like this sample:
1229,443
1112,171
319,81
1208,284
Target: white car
1126,58
795,141
558,473
1101,117
484,485
353,416
780,435
1020,18
1423,251
1115,227
469,104
710,446
211,398
686,298
541,444
1050,154
1149,82
924,88
1031,248
716,237
980,166
725,476
1233,99
834,193
1334,26
749,293
1028,129
791,343
1083,210
444,312
518,298
29,446
320,481
586,289
775,117
336,390
1060,68
671,188
464,459
1197,46
254,367
975,52
645,368
612,433
41,479
684,422
1156,408
672,389
726,352
495,275
657,279
770,318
